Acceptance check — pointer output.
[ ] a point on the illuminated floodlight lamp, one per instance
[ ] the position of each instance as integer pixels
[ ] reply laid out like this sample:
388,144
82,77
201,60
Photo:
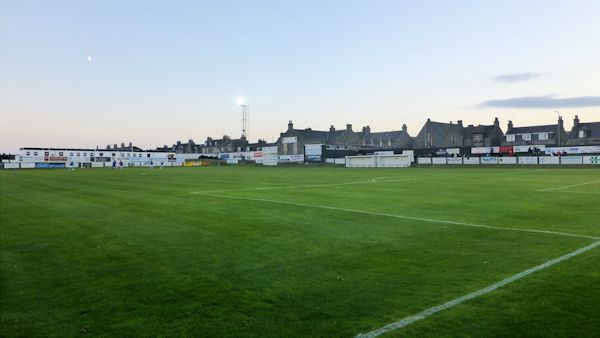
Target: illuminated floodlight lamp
240,101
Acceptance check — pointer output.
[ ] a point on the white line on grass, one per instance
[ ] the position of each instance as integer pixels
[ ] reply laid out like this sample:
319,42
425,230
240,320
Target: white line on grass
569,186
388,179
575,192
426,313
398,216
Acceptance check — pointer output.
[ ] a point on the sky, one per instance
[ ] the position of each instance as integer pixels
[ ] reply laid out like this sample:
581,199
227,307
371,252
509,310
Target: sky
88,73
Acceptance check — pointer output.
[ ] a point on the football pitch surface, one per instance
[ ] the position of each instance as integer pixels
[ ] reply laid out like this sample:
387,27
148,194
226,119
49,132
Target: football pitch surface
300,251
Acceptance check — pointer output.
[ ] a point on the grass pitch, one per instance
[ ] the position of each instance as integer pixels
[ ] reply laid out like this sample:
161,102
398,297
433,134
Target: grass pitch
140,252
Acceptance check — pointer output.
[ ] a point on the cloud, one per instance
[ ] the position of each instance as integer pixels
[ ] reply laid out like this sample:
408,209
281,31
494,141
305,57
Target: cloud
548,101
517,77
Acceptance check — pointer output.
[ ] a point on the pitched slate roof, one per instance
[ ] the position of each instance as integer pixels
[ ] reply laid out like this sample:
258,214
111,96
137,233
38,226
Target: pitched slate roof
532,129
592,127
443,129
480,129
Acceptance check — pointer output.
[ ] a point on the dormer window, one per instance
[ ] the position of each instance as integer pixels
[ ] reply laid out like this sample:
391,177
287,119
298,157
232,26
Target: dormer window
510,138
582,134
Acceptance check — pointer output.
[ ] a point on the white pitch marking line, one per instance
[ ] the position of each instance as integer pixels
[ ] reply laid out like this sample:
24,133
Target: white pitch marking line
569,186
574,192
426,313
371,181
400,216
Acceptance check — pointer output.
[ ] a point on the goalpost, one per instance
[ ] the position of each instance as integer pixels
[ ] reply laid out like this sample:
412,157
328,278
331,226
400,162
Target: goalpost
378,161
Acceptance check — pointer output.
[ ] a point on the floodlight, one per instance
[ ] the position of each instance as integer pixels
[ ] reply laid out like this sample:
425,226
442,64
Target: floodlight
240,101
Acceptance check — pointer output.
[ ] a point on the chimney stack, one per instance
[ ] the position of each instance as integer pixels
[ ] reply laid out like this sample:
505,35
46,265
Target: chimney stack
510,125
332,128
348,127
496,122
576,121
459,122
290,126
404,129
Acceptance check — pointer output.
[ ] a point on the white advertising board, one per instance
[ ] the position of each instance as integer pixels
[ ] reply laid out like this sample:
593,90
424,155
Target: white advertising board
27,165
489,160
424,160
393,161
339,161
270,160
438,160
13,165
388,152
291,158
471,160
574,150
454,160
507,160
570,160
313,149
549,160
591,160
361,161
485,150
528,160
289,139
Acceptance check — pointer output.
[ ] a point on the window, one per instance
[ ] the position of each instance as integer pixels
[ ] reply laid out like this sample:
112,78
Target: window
543,136
78,154
47,153
582,134
114,154
27,153
452,140
101,154
60,154
526,137
84,154
35,153
71,154
148,155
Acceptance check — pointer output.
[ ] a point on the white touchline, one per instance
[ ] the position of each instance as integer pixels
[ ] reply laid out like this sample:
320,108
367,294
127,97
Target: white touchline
426,313
569,186
432,220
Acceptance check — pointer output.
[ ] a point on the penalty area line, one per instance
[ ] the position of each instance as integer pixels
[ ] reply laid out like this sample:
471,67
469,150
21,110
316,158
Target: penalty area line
432,310
569,186
431,220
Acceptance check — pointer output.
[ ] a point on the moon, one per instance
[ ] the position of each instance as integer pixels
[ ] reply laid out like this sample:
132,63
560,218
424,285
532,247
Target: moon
89,58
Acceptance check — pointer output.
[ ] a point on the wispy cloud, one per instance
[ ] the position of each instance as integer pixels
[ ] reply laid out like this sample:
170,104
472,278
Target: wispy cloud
548,101
517,77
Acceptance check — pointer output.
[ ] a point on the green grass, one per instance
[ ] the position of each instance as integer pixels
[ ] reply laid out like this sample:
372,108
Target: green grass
135,253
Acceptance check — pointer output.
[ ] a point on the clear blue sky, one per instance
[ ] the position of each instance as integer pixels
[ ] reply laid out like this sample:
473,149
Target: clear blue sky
167,71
